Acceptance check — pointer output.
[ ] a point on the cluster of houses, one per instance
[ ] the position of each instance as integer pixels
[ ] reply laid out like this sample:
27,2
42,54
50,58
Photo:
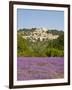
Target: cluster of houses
40,34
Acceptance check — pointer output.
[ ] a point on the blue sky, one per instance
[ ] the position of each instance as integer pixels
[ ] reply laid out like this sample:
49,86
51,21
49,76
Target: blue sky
29,18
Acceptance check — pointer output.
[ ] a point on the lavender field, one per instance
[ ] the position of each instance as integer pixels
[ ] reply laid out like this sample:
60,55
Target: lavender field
33,68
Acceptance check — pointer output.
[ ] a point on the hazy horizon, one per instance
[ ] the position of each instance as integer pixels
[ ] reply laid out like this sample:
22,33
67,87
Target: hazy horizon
40,27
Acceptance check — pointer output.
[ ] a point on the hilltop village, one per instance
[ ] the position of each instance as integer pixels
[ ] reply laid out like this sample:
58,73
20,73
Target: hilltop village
40,42
39,34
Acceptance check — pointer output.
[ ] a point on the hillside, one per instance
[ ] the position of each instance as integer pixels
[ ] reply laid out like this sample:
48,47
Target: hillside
41,42
56,32
39,34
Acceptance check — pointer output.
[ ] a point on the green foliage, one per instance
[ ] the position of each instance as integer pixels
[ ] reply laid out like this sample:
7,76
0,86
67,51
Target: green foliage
56,32
21,44
50,48
54,52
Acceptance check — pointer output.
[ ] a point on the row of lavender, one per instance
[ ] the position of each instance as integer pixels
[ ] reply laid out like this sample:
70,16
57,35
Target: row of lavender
33,68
